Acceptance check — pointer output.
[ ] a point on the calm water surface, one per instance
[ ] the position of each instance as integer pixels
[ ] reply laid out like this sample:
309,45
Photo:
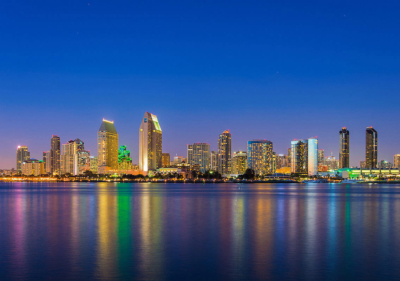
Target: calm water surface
107,231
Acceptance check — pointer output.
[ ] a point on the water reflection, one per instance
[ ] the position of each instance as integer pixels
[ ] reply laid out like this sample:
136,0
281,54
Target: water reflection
113,231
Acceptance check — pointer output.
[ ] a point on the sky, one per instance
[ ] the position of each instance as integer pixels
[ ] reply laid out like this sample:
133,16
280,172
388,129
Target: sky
276,70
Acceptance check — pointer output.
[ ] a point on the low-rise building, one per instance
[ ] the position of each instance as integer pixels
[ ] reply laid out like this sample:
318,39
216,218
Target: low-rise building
32,167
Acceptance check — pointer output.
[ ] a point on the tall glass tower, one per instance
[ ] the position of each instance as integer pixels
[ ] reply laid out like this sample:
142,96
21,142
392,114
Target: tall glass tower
344,148
55,155
107,147
150,143
225,153
22,155
371,148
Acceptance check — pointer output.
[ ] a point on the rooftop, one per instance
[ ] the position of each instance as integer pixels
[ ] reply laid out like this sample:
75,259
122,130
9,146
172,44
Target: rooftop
108,126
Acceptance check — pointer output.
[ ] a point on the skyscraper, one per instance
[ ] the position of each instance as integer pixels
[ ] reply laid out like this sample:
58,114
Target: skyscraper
224,153
344,148
321,157
199,154
69,156
47,162
396,161
213,161
305,156
260,157
55,155
150,143
371,148
239,162
22,155
107,147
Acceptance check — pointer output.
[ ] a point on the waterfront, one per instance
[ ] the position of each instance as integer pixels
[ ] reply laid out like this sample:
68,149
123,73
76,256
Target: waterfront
156,231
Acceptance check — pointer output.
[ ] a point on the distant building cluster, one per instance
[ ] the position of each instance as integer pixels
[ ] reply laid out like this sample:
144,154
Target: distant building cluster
303,156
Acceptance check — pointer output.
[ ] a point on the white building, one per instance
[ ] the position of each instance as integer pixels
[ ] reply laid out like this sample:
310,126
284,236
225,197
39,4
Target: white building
150,143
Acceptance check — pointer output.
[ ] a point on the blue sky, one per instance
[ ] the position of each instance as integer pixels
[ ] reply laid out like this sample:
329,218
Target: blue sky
277,71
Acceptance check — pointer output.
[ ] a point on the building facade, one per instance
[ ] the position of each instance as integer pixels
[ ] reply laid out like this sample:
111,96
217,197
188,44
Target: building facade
124,159
166,160
331,163
383,164
199,154
260,157
239,162
93,164
107,148
371,148
305,156
150,143
55,155
70,158
83,161
32,167
396,161
321,157
22,155
213,161
47,162
224,153
344,148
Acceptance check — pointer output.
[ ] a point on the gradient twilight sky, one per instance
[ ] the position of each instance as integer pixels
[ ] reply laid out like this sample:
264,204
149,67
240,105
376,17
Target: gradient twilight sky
274,70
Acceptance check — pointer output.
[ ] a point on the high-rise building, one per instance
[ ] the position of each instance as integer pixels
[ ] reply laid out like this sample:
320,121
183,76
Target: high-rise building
213,161
289,155
199,154
396,161
83,161
239,162
55,155
150,143
260,157
305,156
32,167
224,153
124,159
47,162
93,164
321,157
107,148
281,161
70,158
22,155
344,148
371,148
166,160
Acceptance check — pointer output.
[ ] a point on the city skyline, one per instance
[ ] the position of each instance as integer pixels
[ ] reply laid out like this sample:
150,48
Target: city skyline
214,144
